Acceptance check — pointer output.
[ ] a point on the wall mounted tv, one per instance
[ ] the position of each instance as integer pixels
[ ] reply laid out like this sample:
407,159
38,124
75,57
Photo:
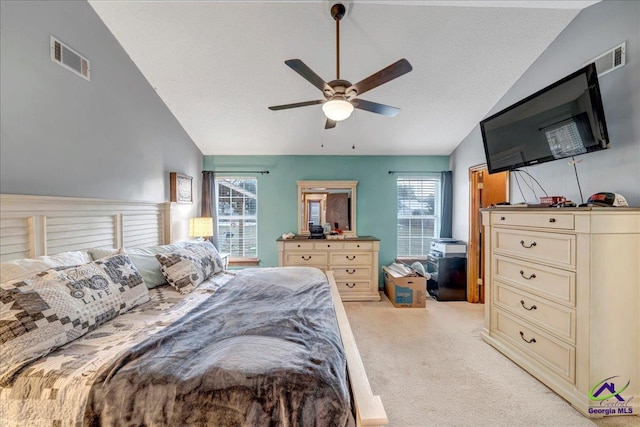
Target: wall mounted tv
562,120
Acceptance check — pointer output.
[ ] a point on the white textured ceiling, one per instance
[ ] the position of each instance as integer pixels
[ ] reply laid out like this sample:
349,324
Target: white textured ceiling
218,65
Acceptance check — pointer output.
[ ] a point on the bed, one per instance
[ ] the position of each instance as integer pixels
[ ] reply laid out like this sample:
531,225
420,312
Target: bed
257,347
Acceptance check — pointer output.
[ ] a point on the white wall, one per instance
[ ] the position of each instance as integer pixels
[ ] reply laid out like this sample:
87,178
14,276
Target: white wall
595,30
61,135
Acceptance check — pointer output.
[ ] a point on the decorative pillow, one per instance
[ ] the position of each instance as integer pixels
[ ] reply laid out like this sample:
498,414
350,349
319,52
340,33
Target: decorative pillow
145,260
12,270
49,309
187,267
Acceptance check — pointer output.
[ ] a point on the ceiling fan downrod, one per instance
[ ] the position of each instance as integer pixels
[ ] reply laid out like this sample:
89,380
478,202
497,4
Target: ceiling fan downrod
337,11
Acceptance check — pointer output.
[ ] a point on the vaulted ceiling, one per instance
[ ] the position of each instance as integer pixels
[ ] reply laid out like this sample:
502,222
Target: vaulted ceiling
218,65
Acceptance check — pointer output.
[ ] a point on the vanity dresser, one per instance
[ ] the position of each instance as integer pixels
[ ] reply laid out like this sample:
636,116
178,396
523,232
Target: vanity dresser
563,300
354,262
352,258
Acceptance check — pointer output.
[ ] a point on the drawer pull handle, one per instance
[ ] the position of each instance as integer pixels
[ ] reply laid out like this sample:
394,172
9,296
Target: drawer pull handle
531,341
306,258
552,220
533,276
525,246
350,258
533,307
351,271
298,245
358,245
502,218
350,285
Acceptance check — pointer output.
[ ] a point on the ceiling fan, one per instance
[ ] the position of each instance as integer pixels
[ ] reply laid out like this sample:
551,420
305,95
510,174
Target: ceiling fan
341,97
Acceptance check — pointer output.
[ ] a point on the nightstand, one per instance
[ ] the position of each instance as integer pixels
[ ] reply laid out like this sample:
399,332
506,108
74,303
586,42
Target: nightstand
225,260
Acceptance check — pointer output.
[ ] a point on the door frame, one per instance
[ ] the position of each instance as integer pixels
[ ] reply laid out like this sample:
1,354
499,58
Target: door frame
474,248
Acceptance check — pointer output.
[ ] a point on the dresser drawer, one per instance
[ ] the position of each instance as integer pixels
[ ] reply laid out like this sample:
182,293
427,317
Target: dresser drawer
556,355
351,272
351,258
353,286
552,248
551,220
306,258
298,246
555,318
362,246
552,283
331,245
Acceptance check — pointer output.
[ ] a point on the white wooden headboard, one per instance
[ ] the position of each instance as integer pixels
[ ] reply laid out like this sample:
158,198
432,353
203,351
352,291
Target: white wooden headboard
31,226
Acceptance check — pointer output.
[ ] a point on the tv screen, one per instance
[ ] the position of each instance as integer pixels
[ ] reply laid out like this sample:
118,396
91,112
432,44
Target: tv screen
562,120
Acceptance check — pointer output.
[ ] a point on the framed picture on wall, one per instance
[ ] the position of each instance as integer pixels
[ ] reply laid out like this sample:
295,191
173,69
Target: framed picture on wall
181,188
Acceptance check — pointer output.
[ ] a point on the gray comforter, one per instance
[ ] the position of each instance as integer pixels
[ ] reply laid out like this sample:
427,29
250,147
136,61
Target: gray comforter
263,350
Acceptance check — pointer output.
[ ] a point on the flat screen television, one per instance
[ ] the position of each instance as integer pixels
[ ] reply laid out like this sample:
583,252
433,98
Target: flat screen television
562,120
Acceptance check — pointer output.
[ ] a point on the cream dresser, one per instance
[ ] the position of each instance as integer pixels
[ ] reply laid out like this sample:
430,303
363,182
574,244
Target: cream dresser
353,261
563,300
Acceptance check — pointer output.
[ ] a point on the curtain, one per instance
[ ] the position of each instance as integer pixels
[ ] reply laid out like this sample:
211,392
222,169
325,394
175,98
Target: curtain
446,208
209,198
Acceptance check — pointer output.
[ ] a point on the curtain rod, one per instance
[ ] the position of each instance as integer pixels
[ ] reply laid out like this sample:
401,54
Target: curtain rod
394,172
264,172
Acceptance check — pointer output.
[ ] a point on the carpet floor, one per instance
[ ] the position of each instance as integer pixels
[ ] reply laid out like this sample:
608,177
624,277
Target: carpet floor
431,368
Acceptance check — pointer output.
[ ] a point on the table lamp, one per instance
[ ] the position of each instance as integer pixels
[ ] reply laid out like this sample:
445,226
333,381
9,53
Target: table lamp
201,227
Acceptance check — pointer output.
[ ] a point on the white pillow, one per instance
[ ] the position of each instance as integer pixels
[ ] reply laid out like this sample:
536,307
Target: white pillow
12,270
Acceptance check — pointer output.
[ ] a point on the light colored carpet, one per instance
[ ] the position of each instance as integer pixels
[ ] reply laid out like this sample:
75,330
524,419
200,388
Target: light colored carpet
431,368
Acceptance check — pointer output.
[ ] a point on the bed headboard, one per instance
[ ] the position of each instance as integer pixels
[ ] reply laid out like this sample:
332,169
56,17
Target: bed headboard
31,226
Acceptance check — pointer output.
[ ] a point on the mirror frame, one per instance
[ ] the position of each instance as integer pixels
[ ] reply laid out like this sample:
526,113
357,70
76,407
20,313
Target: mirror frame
305,186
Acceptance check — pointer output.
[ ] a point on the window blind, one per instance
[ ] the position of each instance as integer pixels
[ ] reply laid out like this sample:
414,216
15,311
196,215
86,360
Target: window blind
418,214
237,207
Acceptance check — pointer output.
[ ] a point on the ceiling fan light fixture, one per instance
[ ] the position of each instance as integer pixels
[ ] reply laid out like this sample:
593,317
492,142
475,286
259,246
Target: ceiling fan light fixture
337,109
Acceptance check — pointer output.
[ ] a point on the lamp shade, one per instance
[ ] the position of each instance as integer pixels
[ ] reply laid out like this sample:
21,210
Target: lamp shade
201,227
337,109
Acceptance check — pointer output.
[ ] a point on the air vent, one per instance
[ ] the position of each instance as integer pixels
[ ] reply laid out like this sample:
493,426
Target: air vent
610,60
69,58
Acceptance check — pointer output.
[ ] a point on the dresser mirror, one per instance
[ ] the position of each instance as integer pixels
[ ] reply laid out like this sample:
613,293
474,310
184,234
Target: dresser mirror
327,202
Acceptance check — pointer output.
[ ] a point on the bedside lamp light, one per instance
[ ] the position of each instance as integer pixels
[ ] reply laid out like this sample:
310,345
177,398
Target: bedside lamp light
201,227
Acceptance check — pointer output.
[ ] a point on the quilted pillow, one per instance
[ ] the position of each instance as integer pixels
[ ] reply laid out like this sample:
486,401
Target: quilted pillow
145,260
187,267
49,309
12,270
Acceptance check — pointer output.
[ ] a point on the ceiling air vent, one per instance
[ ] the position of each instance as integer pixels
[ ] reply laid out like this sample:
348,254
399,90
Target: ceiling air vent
610,60
69,58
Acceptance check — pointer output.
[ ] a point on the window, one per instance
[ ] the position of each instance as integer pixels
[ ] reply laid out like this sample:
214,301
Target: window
238,216
418,214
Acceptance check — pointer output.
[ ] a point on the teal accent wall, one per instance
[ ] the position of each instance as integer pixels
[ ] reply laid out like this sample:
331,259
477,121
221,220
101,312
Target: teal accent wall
277,192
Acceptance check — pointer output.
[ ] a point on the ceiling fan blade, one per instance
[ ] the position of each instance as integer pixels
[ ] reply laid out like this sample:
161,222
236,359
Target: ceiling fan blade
297,104
330,124
383,76
301,68
374,107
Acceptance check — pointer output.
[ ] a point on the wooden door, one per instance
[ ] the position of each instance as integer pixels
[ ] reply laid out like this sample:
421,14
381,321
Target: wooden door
485,190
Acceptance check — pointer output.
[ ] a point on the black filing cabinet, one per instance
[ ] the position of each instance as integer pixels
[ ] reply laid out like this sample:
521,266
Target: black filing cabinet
448,280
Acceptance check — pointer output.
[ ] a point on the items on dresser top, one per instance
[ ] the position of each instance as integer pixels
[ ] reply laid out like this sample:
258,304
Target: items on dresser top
354,262
562,289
